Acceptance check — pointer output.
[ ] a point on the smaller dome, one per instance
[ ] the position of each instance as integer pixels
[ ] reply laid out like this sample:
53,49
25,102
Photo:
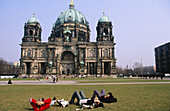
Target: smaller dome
104,19
33,20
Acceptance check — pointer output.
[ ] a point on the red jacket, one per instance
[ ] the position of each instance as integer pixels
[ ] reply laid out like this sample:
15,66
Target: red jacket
43,107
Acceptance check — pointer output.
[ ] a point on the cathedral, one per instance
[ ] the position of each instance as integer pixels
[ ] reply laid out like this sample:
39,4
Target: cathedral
68,50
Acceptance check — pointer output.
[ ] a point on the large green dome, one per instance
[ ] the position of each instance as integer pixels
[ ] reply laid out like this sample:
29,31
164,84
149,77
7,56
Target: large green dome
71,16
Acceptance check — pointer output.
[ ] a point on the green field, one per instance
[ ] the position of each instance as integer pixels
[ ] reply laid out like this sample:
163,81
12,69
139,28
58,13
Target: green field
149,97
121,81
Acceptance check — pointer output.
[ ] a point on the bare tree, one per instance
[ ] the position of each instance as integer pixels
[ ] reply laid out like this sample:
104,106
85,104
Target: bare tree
120,70
137,68
7,67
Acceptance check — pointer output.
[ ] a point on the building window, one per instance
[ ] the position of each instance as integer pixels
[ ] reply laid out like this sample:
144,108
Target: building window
35,53
43,53
52,54
105,52
105,32
92,53
29,53
31,32
81,36
67,56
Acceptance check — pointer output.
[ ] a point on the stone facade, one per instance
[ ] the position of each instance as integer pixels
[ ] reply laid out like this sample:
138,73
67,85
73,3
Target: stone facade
68,50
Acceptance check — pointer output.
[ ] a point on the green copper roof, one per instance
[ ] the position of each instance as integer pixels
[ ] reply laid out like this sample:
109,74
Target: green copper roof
71,16
104,19
33,20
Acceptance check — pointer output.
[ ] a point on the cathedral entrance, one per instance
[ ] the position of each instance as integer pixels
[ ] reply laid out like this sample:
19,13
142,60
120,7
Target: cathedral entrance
67,63
43,68
92,68
107,68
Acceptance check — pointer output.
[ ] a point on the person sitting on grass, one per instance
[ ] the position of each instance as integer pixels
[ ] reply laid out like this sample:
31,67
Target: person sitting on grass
84,102
102,97
41,104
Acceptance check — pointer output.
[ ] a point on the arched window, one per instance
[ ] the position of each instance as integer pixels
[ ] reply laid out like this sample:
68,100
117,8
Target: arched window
43,53
81,36
92,53
31,32
29,53
105,52
67,56
105,32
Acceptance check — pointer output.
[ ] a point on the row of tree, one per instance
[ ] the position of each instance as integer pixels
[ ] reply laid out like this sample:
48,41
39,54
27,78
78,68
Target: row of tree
136,69
8,67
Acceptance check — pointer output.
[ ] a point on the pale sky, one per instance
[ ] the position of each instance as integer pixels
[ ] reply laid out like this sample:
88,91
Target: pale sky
139,25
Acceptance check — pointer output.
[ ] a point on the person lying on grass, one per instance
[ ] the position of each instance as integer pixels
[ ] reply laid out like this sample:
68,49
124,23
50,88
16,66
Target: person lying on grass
53,102
61,103
102,97
84,102
41,104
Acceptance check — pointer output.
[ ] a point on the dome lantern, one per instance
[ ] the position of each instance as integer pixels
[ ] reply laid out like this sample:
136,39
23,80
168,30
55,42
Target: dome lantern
71,6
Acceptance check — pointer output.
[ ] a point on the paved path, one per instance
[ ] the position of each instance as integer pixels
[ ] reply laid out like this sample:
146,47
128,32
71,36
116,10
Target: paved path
34,82
49,82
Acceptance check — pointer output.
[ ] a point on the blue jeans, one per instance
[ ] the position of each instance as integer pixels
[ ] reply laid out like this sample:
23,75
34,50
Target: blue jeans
77,95
98,94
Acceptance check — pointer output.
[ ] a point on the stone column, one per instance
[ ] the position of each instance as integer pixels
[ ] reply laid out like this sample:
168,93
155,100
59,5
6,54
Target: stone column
79,55
39,68
54,64
88,71
24,69
33,53
58,67
102,67
49,56
77,33
34,32
31,68
85,57
113,53
75,67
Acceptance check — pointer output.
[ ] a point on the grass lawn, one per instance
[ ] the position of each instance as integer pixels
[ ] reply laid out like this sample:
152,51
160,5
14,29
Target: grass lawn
121,81
146,97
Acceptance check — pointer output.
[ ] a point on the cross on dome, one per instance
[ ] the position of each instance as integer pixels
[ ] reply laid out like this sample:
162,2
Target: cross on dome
71,2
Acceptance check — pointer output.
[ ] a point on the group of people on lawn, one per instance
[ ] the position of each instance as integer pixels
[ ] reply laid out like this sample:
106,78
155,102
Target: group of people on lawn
95,101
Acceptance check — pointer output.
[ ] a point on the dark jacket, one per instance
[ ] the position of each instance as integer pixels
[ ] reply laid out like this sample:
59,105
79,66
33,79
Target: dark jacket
108,100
